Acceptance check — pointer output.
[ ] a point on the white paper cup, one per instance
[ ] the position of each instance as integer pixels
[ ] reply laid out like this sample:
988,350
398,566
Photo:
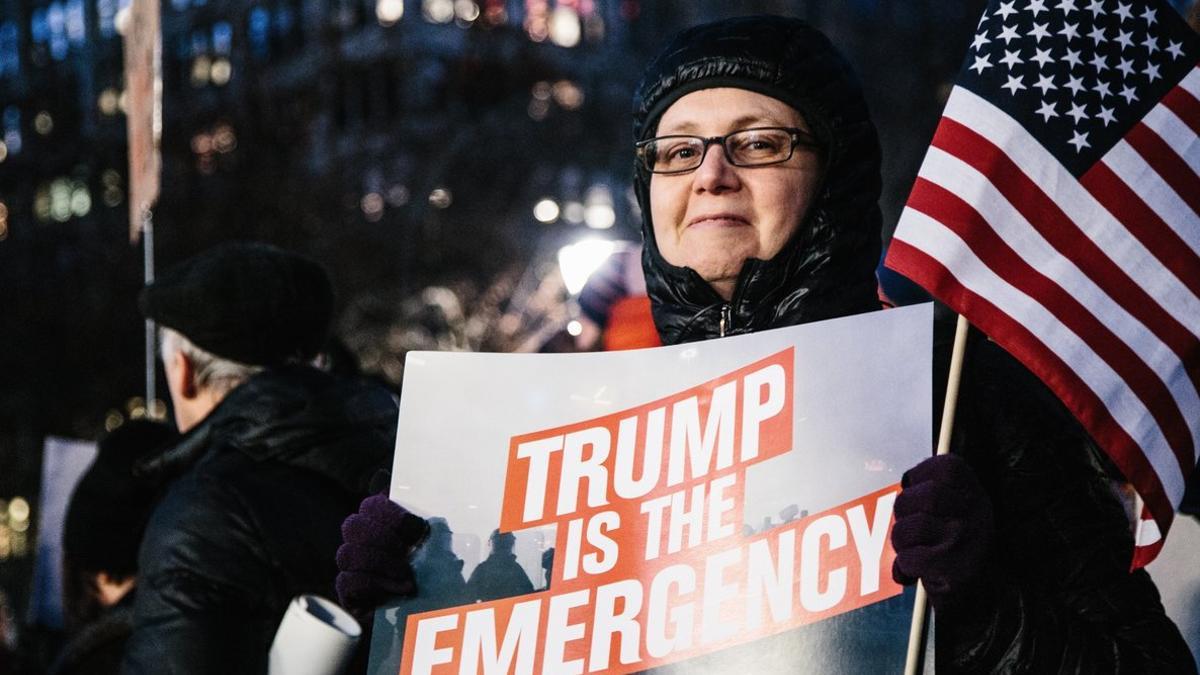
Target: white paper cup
316,637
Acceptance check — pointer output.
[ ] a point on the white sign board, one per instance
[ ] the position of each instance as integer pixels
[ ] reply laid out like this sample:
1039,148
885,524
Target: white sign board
615,512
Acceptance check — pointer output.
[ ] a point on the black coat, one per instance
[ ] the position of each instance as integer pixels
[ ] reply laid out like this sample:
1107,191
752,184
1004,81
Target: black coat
1060,597
97,648
253,518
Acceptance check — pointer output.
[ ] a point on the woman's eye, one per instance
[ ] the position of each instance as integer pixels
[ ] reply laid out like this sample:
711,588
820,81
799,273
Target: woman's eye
759,145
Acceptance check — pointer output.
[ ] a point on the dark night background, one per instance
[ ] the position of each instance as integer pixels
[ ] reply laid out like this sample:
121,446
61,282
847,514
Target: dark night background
403,143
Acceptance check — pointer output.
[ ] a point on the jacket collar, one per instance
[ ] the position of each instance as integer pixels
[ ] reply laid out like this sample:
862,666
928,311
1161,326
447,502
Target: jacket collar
296,415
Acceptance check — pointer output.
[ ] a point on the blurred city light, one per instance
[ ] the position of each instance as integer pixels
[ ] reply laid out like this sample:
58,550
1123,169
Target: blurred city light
202,144
3,221
3,151
593,28
18,510
60,200
81,200
397,195
12,129
441,198
372,206
495,14
112,195
546,210
438,11
577,262
574,328
565,28
568,94
223,139
108,102
122,21
537,19
466,10
41,203
388,12
220,72
157,409
201,71
573,212
43,123
136,407
538,109
599,213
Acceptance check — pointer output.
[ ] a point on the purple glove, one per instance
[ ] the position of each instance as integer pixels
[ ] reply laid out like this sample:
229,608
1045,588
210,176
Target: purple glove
943,532
373,558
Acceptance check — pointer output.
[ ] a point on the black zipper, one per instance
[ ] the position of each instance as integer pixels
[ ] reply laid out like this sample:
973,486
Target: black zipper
726,319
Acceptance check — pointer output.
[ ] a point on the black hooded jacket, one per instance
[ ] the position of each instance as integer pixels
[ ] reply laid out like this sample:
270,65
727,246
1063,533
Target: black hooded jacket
1059,596
253,517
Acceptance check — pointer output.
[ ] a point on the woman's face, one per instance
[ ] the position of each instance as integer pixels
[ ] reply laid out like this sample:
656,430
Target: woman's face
714,218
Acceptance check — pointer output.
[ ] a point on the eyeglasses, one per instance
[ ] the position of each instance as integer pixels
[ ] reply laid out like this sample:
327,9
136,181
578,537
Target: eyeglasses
759,146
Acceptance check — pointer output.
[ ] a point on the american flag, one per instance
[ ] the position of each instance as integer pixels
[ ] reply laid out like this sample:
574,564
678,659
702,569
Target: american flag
1058,210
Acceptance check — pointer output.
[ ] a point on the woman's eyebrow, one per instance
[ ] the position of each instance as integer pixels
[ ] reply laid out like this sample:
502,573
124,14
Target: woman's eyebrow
743,122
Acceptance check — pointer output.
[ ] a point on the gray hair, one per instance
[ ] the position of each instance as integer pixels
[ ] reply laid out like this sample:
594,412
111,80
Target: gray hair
211,371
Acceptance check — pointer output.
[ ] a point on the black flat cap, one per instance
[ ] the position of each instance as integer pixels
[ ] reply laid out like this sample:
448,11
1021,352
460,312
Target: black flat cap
246,302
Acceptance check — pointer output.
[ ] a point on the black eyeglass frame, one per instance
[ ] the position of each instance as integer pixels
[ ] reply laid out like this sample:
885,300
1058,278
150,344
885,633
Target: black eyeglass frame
799,138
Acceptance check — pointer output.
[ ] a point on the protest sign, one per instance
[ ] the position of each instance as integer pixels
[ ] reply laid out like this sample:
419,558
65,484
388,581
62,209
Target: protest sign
64,461
682,507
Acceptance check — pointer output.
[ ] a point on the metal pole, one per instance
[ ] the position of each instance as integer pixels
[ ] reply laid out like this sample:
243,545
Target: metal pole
151,336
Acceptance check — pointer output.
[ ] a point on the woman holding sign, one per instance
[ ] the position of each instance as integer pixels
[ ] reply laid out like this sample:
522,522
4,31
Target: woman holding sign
757,170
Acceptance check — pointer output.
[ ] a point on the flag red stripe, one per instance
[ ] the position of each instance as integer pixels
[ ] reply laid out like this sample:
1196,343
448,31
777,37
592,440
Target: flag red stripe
1058,229
1185,106
1142,222
1166,163
1045,215
962,219
1064,382
1144,555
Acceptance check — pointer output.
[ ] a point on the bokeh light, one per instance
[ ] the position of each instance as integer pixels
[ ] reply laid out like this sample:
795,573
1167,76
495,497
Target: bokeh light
578,261
546,210
438,11
388,12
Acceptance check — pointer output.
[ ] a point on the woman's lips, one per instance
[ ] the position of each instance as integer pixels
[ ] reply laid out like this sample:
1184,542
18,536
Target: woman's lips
719,220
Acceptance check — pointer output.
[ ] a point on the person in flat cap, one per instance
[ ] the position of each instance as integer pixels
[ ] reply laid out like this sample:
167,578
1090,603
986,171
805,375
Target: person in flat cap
275,453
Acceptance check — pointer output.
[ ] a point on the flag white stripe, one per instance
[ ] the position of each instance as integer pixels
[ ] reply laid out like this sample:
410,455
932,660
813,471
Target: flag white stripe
1191,82
1134,171
1148,532
928,235
1175,133
1078,204
960,178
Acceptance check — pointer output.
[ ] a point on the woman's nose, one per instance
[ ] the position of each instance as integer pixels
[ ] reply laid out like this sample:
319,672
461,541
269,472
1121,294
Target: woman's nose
715,173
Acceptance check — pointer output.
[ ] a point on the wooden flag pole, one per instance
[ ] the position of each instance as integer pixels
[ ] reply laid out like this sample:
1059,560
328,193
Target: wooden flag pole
915,662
